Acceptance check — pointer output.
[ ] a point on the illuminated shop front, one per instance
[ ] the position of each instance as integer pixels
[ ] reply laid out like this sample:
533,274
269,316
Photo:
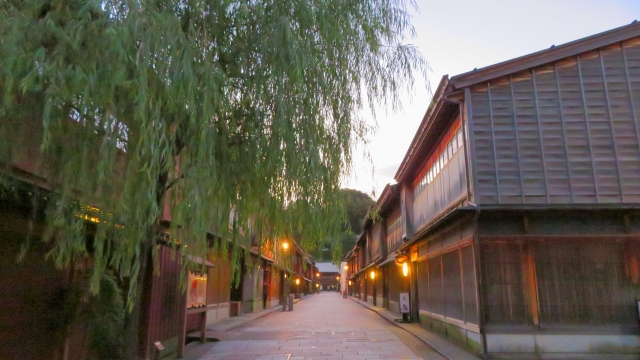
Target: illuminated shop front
197,292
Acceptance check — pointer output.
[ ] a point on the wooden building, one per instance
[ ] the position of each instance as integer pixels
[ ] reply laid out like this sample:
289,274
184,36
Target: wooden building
519,203
39,298
328,276
302,272
374,269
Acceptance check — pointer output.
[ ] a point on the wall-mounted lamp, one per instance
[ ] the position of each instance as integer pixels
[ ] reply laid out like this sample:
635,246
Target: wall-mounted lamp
337,277
349,282
373,274
346,267
285,245
297,281
317,285
405,269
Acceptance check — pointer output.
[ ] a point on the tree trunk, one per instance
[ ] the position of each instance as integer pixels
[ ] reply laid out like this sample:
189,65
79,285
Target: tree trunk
137,322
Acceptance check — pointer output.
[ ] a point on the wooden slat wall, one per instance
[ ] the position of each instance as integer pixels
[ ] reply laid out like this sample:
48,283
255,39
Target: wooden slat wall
274,288
31,295
368,248
193,322
219,279
166,298
375,241
394,231
566,132
397,283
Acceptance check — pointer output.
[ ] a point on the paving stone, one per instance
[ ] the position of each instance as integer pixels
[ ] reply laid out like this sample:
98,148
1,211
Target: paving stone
322,327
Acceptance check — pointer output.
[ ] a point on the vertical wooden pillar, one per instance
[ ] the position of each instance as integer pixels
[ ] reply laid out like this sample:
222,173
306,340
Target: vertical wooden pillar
203,326
631,263
531,282
182,323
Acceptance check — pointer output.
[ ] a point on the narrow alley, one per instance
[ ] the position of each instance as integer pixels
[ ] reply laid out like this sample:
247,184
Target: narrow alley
323,326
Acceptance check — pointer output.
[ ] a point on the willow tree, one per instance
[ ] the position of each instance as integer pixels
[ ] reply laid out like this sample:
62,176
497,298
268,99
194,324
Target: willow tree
227,110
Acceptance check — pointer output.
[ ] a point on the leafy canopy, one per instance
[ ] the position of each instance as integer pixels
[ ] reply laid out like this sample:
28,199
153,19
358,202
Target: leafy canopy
227,110
357,205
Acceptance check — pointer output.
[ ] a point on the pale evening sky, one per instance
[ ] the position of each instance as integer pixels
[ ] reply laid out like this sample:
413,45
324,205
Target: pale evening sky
456,36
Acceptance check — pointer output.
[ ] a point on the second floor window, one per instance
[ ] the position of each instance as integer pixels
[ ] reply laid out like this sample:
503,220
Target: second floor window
447,153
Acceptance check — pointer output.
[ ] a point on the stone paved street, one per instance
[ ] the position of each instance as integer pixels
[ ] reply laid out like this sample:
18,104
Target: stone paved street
323,326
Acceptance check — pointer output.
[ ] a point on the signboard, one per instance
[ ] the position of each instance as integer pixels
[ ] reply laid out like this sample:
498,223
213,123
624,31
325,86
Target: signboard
414,253
404,303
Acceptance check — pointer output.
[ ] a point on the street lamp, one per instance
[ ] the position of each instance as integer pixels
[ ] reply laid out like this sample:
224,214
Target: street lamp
404,297
372,275
287,290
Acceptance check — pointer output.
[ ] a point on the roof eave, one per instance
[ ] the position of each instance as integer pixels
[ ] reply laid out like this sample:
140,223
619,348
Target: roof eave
423,129
389,194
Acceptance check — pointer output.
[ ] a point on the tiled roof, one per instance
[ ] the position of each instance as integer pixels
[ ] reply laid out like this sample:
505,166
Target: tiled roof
327,267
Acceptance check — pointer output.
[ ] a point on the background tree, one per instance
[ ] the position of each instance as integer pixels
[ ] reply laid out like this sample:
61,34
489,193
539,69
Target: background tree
217,107
356,205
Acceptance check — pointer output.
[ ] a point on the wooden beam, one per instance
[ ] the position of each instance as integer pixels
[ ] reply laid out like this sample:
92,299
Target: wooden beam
531,282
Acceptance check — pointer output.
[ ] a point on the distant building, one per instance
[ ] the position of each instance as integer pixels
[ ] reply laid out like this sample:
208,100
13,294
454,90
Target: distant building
329,276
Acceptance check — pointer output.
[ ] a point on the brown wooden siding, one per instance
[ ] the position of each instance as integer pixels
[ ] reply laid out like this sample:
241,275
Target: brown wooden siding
376,238
367,248
275,284
448,284
32,296
394,231
562,133
398,283
167,300
193,322
561,281
219,279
